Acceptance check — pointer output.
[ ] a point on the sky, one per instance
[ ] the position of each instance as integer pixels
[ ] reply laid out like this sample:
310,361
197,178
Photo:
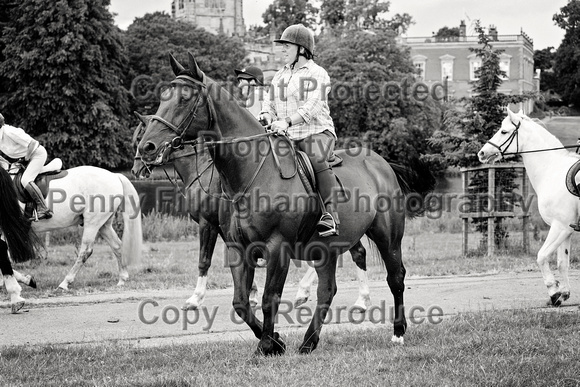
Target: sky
534,17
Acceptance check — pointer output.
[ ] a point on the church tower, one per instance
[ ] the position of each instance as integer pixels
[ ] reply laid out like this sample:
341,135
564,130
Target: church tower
214,16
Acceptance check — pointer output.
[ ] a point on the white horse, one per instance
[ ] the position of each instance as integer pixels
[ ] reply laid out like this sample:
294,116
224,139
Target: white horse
547,164
90,197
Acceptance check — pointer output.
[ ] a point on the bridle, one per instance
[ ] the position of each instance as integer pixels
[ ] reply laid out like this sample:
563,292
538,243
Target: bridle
180,129
513,136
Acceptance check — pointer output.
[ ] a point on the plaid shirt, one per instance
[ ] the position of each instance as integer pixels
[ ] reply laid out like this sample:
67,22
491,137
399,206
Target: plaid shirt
303,91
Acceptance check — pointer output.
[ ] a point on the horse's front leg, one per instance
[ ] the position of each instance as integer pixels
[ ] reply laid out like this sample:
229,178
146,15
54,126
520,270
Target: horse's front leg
277,270
557,235
563,267
27,279
12,286
208,234
243,276
326,270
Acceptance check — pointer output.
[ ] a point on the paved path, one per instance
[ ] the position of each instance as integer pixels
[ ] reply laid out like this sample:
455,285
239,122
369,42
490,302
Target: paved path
138,317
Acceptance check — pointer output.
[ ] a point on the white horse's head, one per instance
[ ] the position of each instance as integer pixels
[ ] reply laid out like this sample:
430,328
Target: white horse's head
505,140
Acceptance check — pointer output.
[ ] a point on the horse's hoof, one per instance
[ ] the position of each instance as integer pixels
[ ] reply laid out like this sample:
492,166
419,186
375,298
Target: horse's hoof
299,301
31,281
277,347
398,340
307,349
557,298
189,307
17,306
361,306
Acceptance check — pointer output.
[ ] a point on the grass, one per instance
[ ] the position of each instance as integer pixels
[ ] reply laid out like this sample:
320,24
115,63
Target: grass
493,348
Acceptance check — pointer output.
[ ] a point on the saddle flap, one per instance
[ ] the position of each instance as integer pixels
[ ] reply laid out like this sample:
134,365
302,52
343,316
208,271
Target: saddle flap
571,179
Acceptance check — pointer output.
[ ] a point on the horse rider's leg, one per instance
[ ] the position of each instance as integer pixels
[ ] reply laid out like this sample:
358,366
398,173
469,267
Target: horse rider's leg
12,286
556,236
208,234
241,276
35,164
563,267
25,279
304,286
318,147
113,240
358,254
276,273
85,251
326,270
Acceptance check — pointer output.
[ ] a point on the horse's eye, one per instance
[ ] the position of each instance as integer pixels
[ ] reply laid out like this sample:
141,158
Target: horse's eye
504,132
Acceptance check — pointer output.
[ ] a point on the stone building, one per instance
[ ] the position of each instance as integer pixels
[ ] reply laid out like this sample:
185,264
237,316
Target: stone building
215,16
449,61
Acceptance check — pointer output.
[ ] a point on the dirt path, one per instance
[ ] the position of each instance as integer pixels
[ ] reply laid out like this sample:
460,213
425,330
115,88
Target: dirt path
155,318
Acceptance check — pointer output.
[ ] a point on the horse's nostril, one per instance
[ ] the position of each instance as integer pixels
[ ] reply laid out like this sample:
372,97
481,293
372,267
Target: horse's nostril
149,147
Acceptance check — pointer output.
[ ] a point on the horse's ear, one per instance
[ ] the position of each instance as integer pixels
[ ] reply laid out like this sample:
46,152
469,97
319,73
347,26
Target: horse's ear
194,68
175,65
513,116
521,112
140,117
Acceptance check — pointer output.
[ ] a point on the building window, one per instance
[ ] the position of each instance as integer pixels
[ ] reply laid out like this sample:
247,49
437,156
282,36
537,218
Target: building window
181,5
419,61
447,67
474,65
504,65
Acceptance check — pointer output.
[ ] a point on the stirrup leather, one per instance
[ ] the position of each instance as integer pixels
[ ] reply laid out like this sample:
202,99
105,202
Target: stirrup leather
326,225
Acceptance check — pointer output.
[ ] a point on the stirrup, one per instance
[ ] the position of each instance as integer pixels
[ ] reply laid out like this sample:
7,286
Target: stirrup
576,226
326,226
40,216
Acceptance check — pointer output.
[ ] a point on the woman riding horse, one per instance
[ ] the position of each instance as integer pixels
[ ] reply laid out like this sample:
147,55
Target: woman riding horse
298,107
16,144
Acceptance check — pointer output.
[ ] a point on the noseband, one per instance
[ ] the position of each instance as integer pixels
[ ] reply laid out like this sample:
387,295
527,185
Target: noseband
508,141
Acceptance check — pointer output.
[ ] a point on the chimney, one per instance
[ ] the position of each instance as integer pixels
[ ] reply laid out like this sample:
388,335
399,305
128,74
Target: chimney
493,32
462,29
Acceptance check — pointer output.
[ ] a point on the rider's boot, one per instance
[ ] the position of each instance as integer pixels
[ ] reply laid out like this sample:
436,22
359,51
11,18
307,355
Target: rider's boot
328,189
42,211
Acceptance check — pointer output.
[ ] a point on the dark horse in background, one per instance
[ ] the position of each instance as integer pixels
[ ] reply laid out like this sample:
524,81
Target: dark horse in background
252,164
17,238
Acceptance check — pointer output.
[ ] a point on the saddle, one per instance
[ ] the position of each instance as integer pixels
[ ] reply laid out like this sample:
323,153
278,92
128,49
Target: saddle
571,179
306,172
49,172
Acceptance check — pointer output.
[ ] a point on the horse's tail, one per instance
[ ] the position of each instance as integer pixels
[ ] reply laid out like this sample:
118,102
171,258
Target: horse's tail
416,181
132,246
23,243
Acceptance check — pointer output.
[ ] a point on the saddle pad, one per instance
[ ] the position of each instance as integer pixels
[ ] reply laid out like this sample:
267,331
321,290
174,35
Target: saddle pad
571,179
42,181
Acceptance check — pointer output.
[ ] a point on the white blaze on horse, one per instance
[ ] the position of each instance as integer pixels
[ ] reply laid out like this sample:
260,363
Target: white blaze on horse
547,164
90,197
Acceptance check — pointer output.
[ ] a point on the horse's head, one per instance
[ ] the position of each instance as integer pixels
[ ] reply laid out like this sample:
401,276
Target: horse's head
505,140
184,111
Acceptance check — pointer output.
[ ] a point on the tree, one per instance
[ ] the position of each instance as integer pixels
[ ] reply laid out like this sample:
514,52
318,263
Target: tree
61,69
362,66
447,34
283,13
362,14
567,58
151,38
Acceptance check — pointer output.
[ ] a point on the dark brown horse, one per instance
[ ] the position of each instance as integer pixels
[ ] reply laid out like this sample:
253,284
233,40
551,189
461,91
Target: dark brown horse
17,238
271,213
